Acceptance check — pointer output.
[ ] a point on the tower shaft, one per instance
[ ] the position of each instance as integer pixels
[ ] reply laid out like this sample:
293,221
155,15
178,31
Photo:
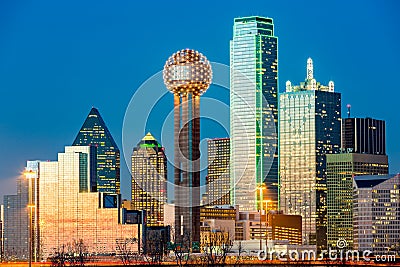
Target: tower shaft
187,165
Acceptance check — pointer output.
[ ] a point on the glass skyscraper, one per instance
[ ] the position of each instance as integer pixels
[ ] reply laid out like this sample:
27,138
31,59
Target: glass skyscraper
364,135
363,153
377,213
149,176
94,132
217,180
341,168
309,128
254,114
67,213
16,223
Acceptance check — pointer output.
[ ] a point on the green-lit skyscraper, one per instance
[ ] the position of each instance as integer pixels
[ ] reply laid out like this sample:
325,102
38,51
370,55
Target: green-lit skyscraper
149,175
309,128
254,114
94,132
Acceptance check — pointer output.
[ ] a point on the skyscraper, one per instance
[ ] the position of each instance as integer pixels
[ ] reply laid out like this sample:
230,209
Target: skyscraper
149,175
16,222
217,180
187,74
376,213
363,153
341,168
309,128
69,211
254,114
364,135
31,173
94,132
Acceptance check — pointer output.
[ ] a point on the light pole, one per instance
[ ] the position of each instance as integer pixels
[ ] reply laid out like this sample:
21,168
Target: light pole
261,207
31,207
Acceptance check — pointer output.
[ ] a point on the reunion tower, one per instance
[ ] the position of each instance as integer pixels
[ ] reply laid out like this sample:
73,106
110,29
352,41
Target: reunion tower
187,74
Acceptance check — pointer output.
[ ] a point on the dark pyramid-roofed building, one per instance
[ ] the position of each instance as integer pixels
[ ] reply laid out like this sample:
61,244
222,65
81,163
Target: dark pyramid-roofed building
95,132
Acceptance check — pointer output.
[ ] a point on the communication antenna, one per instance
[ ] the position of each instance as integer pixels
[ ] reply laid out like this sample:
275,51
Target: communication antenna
348,110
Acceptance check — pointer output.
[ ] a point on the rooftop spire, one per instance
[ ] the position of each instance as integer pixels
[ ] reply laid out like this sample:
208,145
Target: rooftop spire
310,69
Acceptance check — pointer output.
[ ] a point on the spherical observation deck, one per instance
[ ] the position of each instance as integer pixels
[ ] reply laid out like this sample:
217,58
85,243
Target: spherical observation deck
187,71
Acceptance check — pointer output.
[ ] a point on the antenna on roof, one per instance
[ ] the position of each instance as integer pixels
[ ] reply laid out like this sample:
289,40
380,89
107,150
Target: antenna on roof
348,110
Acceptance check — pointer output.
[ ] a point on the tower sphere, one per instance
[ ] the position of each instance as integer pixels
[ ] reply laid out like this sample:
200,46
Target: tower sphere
187,71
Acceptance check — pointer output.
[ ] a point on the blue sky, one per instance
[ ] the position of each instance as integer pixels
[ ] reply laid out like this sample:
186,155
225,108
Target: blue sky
60,58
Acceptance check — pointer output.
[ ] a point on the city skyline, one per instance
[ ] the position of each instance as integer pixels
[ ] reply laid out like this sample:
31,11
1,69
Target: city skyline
51,125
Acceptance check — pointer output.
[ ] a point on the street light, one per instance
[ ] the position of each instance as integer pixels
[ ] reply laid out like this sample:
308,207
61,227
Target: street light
260,187
31,207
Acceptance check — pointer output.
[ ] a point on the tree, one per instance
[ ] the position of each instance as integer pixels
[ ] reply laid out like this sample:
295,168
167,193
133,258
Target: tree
77,253
181,248
239,254
73,254
215,247
58,257
155,245
125,252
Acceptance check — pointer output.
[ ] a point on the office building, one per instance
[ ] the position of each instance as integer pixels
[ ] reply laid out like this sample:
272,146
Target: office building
309,128
94,132
187,74
252,225
254,113
364,135
70,211
217,180
16,223
341,168
149,175
285,227
376,213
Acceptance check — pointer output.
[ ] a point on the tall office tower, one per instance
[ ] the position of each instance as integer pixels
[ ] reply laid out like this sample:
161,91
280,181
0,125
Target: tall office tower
187,74
217,180
309,128
341,168
16,222
69,211
363,148
31,173
376,213
149,175
95,132
364,135
254,114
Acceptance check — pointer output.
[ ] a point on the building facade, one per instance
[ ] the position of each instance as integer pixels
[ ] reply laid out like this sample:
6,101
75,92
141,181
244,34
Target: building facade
309,128
364,135
254,113
285,227
149,175
341,168
94,132
69,211
218,179
16,223
252,225
376,214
